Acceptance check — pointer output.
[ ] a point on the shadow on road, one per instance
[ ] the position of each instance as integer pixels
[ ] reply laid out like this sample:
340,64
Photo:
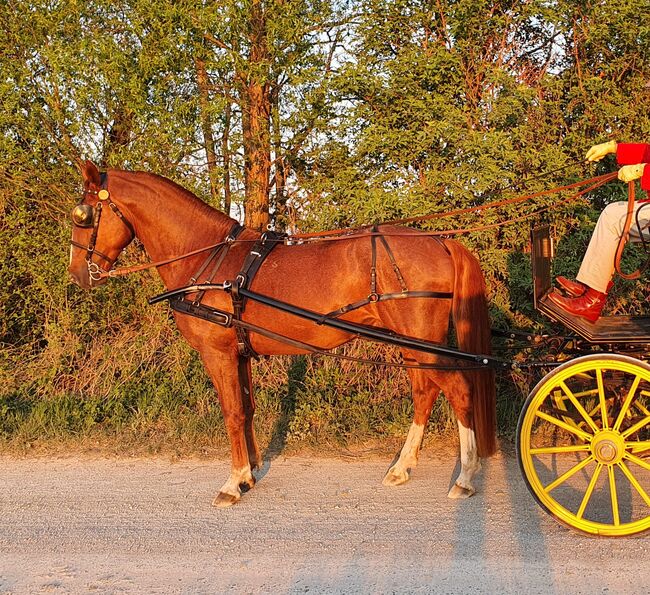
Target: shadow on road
296,377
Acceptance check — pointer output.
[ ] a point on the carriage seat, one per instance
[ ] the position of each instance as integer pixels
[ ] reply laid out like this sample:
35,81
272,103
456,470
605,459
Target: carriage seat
606,330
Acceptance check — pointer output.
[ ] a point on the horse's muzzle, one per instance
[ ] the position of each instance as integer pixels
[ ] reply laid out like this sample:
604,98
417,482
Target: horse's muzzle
81,278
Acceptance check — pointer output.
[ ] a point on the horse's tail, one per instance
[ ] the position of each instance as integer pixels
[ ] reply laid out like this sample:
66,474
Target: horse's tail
471,320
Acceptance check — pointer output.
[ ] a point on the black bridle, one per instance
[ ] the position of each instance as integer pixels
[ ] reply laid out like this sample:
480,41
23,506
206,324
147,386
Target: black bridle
87,216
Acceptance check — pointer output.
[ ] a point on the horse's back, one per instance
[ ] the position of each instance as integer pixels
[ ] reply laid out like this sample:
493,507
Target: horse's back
326,268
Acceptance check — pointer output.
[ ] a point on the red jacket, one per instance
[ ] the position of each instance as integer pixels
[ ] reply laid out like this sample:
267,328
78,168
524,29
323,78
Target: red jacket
633,153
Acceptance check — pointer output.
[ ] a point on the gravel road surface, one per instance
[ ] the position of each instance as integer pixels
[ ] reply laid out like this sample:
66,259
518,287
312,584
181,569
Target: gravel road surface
317,525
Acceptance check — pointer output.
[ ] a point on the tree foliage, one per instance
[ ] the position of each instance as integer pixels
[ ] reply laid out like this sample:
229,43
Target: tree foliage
303,114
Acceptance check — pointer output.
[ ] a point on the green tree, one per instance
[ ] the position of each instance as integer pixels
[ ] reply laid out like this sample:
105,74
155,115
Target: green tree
305,114
266,64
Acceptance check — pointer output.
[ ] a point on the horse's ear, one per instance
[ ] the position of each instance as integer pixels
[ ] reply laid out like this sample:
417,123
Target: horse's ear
90,173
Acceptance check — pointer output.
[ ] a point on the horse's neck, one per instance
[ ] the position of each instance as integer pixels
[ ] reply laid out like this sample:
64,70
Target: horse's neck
169,221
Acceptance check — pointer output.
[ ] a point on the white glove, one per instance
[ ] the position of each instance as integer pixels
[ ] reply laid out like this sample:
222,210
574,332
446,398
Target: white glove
627,173
597,152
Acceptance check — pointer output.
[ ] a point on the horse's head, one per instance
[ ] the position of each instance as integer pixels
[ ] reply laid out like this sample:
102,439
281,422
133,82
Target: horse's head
100,231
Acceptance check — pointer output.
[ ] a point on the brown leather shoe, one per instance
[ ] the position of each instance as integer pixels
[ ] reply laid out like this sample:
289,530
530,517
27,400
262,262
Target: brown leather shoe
573,288
589,305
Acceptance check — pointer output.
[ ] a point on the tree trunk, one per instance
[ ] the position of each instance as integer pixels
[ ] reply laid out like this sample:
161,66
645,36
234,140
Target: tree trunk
256,119
206,127
280,170
225,151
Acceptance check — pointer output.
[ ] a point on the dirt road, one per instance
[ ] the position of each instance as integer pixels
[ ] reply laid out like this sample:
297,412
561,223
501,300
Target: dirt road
310,525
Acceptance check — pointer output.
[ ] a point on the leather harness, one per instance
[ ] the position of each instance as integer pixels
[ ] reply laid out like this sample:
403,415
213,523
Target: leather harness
252,264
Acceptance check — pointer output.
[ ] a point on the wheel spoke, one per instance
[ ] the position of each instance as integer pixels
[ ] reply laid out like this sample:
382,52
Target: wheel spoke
559,399
640,446
594,410
626,404
634,482
614,495
636,427
592,392
574,430
601,397
570,473
579,407
590,489
637,461
555,450
640,407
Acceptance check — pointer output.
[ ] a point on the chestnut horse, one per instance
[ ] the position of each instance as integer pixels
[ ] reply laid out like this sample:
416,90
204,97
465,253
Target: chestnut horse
321,276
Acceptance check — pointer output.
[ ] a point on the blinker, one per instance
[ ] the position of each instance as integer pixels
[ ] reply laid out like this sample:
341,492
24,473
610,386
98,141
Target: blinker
83,215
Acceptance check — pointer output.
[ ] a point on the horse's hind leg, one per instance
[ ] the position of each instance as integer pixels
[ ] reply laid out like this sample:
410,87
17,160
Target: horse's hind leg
458,389
223,371
470,464
425,391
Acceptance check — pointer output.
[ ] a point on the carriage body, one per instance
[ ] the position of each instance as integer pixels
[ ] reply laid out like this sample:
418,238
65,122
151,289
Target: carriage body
583,437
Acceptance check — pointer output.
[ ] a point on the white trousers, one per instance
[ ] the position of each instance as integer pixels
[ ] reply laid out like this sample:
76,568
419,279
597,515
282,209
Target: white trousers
598,263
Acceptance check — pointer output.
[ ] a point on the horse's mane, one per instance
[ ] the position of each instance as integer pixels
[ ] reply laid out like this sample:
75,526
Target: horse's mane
193,202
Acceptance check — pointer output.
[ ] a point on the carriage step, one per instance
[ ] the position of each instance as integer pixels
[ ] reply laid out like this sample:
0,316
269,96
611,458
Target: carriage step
607,329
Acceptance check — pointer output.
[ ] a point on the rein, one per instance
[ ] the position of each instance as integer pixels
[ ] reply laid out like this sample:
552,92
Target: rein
591,184
624,236
347,233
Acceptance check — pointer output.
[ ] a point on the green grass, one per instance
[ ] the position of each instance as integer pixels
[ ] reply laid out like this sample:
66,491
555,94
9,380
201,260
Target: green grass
146,406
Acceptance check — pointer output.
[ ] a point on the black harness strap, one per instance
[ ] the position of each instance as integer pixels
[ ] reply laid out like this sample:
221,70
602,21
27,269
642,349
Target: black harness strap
375,297
384,297
393,262
218,255
254,260
252,263
179,304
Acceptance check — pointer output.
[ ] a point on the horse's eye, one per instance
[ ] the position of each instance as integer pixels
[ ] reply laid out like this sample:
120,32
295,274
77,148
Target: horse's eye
83,215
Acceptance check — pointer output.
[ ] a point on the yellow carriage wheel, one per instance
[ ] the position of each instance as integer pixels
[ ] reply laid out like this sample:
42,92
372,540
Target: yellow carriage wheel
583,443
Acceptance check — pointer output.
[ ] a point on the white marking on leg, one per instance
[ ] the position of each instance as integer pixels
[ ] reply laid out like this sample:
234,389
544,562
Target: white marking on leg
470,464
408,457
230,492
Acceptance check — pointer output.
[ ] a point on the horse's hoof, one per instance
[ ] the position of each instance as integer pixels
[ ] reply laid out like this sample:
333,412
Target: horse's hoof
393,478
223,500
460,493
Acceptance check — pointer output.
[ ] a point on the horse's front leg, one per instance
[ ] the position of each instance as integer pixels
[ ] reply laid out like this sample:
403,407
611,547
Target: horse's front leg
245,379
223,370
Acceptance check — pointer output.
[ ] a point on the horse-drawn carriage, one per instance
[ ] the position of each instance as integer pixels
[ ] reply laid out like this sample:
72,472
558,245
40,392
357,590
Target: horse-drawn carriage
583,438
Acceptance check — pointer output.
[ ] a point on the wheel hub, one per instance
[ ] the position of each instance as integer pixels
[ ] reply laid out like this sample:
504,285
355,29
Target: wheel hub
608,447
